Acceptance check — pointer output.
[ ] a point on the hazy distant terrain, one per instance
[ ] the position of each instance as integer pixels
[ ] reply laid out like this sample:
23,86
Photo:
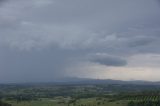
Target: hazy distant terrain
86,92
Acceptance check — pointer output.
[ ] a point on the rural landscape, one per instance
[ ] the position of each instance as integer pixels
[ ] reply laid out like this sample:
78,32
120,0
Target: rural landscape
79,52
90,93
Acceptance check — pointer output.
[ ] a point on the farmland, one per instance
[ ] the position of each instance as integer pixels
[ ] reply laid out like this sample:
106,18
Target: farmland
47,94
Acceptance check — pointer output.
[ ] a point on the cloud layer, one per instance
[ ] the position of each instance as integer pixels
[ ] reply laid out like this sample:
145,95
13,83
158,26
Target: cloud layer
44,40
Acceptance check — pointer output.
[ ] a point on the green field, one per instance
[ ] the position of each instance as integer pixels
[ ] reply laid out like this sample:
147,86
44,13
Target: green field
79,95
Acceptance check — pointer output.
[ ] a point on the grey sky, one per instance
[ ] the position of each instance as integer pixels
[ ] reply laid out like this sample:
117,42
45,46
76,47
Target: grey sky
45,40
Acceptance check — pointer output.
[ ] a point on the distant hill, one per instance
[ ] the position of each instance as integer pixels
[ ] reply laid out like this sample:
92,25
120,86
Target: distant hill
102,81
85,81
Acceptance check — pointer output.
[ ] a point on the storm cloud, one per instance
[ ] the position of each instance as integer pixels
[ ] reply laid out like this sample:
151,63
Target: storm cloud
40,40
108,60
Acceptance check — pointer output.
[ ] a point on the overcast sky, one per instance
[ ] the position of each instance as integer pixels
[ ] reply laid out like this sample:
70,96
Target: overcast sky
47,40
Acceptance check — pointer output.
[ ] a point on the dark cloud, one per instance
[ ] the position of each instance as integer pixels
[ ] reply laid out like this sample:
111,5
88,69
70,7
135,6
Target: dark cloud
37,65
108,60
2,1
39,38
158,1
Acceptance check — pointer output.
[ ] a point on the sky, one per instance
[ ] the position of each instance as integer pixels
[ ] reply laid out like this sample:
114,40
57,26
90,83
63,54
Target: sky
49,40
